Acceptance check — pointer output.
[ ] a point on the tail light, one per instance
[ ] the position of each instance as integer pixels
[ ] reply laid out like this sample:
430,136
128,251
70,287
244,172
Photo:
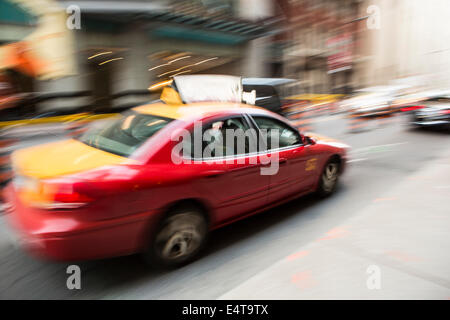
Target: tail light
67,195
412,108
445,111
56,194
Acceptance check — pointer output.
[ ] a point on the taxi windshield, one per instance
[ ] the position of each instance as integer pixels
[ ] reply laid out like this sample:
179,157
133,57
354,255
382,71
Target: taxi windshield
124,135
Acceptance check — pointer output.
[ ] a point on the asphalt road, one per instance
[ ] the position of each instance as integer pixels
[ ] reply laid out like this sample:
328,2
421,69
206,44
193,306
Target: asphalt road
383,156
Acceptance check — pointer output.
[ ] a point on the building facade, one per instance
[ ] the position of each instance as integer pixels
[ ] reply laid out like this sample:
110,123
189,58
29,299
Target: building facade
120,49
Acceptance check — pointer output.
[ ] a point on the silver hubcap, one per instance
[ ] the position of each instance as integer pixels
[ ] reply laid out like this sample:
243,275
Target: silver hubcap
181,236
329,177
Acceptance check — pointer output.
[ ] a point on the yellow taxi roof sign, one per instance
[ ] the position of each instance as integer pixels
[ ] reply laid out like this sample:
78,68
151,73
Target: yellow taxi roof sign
170,96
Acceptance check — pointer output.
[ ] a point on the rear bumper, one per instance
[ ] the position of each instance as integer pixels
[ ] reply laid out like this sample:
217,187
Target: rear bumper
66,236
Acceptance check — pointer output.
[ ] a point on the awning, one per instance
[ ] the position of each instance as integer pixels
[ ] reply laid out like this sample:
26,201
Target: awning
47,53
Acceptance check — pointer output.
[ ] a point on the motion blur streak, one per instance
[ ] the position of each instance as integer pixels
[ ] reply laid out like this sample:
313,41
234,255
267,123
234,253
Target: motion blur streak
372,75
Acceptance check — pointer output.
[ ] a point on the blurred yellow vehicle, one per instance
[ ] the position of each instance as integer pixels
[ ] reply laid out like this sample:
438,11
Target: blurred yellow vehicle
311,101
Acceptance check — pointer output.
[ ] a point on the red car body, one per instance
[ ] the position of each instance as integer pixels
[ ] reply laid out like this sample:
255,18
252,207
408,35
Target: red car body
126,201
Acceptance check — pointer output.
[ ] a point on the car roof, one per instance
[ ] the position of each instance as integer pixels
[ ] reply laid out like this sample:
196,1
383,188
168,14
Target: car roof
266,81
196,110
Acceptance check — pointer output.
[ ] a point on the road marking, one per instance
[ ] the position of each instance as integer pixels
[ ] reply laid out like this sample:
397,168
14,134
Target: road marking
303,280
334,233
298,255
401,256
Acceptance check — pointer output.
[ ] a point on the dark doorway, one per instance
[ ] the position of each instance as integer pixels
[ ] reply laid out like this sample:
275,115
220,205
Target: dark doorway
100,86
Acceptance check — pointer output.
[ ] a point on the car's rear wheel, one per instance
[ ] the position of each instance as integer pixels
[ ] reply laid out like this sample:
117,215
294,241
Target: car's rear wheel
412,125
329,178
179,238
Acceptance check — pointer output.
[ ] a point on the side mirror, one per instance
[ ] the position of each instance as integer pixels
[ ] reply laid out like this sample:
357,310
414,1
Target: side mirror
309,140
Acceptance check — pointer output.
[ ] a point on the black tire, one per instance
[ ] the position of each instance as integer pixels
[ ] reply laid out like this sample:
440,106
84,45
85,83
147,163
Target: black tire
412,125
179,238
328,179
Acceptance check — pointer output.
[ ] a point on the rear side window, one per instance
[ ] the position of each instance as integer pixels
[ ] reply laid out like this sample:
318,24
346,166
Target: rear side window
276,133
222,138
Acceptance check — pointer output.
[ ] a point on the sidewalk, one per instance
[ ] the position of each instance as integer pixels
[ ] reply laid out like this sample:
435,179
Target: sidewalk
404,235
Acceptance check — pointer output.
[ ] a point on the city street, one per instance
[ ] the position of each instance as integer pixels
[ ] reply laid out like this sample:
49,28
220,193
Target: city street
389,214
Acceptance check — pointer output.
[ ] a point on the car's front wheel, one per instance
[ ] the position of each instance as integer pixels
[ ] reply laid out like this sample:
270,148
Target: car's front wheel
329,178
179,238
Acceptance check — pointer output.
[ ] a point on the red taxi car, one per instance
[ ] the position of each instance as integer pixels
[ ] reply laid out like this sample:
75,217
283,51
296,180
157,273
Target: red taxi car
131,186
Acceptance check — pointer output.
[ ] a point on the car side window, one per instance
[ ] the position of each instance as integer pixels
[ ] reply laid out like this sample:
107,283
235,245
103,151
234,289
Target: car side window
226,137
273,130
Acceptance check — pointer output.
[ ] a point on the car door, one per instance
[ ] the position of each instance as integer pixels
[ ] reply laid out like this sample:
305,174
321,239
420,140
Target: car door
232,177
290,159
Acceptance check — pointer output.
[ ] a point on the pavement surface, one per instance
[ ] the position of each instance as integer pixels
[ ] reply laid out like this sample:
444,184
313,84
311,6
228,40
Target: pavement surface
382,235
392,249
